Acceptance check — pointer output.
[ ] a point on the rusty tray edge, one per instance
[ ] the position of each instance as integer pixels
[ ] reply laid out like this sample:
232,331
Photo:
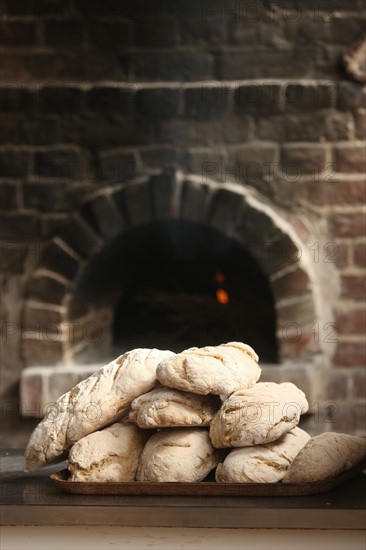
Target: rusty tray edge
203,488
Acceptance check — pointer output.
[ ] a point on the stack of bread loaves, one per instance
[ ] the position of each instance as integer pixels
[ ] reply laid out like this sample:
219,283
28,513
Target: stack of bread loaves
156,416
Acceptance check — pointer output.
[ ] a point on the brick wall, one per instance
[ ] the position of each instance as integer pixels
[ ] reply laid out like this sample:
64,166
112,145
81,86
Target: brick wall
97,95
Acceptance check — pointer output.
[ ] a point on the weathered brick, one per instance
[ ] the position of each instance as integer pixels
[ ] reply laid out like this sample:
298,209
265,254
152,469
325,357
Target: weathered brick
353,286
310,97
298,160
116,99
195,201
156,157
209,163
45,289
27,8
56,259
342,192
163,189
14,66
16,99
46,197
41,317
254,161
77,234
335,386
182,66
63,33
9,196
351,158
235,129
75,64
18,227
259,98
198,32
135,202
359,383
207,101
359,254
107,218
351,322
12,256
109,8
32,131
339,254
360,123
350,354
162,102
117,166
117,132
344,29
59,163
269,63
292,284
348,225
225,210
48,351
17,33
323,125
253,25
160,31
350,95
60,99
344,416
110,35
14,163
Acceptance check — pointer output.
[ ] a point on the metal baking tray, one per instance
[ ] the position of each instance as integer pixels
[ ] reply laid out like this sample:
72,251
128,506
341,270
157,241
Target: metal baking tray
203,488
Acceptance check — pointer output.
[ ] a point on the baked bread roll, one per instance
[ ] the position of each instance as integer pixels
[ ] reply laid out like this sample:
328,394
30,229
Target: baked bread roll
325,456
92,404
265,463
111,454
220,370
258,415
169,408
184,455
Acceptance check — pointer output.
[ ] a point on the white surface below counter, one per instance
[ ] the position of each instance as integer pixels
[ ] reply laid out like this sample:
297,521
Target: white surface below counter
103,538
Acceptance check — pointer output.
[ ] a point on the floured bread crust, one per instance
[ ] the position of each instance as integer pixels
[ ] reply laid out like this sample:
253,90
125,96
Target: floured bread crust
265,463
258,415
325,456
111,454
184,455
93,403
169,408
220,370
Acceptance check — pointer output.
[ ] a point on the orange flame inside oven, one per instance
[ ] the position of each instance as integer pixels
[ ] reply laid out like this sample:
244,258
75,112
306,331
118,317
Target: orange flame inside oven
222,296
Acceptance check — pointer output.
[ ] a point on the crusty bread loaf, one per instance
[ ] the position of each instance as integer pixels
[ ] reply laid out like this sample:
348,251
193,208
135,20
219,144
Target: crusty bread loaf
185,455
213,369
111,454
93,403
265,463
326,456
169,408
258,415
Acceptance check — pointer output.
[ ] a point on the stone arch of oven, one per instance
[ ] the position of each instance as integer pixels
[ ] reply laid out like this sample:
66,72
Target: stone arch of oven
279,243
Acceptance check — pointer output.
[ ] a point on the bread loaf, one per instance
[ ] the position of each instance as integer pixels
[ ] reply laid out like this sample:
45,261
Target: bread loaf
213,369
169,408
184,455
258,415
93,403
325,456
265,463
111,454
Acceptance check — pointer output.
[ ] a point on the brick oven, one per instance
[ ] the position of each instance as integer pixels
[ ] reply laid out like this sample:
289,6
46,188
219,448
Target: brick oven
179,173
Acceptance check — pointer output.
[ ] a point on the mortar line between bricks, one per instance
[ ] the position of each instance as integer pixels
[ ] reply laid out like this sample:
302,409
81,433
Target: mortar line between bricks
86,85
